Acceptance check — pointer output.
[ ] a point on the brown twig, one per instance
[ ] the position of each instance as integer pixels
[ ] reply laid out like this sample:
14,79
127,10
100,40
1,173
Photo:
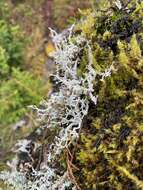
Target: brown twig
70,166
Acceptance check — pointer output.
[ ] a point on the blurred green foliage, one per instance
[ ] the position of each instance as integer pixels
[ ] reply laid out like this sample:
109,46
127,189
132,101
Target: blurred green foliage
11,48
16,93
19,85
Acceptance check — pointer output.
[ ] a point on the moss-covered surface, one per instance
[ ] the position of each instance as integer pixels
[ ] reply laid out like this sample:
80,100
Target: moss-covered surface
109,152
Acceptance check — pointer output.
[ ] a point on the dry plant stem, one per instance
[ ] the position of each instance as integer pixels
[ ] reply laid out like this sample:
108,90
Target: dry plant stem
70,169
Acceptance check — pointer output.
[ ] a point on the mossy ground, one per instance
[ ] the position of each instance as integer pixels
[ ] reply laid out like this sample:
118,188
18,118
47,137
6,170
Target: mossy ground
109,152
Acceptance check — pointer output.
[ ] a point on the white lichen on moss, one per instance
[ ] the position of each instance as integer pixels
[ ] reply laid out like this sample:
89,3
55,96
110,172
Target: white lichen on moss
65,110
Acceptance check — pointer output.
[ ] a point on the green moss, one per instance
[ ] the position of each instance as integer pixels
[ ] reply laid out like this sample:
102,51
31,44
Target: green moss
109,152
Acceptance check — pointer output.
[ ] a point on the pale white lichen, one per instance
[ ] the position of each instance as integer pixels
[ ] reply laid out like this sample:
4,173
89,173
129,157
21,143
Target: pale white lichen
22,145
65,110
118,4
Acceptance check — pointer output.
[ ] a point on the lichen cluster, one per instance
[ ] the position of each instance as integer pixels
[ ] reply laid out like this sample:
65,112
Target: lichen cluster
63,114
